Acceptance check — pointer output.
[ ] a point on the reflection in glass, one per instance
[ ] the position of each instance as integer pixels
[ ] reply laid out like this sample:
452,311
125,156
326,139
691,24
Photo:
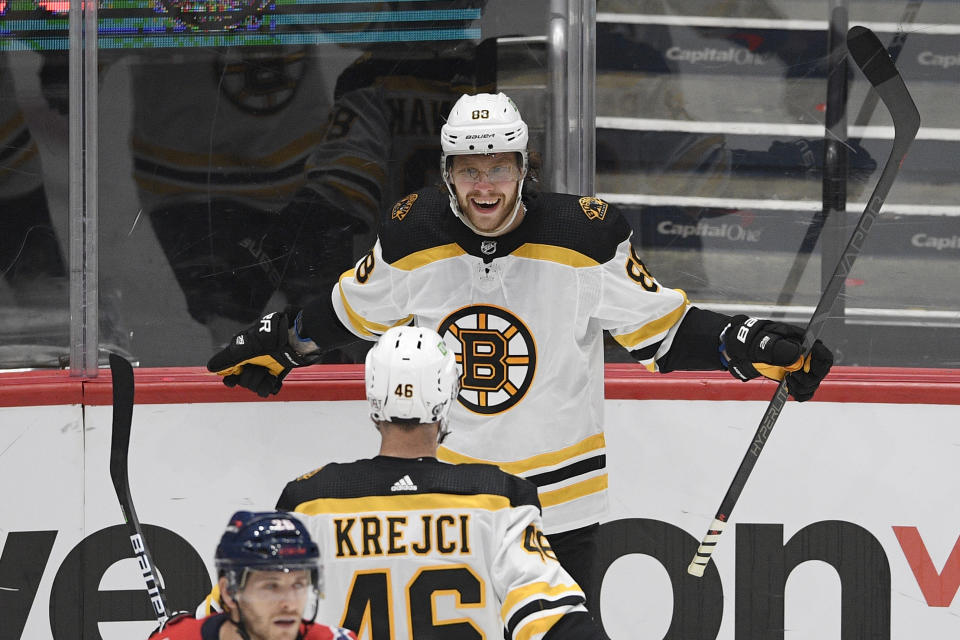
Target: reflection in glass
263,152
34,318
711,138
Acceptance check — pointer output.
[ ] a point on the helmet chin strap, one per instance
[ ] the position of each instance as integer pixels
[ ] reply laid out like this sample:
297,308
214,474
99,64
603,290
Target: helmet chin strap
455,206
241,627
442,432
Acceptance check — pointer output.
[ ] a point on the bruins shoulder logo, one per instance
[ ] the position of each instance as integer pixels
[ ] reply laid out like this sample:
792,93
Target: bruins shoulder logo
496,354
594,208
308,475
402,208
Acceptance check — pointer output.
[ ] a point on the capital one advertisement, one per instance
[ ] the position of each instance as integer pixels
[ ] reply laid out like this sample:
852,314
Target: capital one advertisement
847,527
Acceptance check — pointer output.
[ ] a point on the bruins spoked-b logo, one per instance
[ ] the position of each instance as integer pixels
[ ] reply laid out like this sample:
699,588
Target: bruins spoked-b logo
496,354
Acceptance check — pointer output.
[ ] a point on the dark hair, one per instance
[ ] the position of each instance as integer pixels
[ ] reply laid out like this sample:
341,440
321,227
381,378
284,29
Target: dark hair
534,166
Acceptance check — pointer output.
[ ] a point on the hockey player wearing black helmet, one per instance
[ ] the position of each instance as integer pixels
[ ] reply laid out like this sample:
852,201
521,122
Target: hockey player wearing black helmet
522,284
270,577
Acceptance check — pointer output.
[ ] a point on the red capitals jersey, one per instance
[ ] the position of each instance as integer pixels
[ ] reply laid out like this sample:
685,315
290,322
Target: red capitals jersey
187,627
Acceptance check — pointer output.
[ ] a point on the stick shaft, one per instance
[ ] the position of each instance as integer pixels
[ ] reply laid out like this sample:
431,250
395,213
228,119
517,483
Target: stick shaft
880,70
123,389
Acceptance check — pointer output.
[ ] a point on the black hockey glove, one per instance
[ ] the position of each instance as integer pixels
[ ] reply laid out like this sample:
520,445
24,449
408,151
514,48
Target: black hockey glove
260,357
750,347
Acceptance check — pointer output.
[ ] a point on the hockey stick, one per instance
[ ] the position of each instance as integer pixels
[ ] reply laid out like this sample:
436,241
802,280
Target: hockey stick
894,49
876,65
122,373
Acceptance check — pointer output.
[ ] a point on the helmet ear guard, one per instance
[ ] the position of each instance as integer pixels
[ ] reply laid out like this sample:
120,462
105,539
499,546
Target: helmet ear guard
411,377
484,123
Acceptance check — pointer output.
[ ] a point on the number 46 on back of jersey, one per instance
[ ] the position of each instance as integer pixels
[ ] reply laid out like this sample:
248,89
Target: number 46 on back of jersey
369,612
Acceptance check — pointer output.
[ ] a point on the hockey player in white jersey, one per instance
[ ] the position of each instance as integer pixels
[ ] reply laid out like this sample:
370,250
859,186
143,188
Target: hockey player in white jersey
418,548
521,284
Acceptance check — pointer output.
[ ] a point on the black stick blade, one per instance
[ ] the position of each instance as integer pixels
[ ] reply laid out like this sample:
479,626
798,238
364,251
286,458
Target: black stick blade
878,67
870,55
122,373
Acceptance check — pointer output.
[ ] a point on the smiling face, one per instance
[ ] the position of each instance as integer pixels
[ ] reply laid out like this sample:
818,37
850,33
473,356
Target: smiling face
271,603
487,188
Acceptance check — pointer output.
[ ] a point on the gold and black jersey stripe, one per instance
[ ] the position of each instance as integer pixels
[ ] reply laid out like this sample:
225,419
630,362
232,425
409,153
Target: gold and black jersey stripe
375,477
571,230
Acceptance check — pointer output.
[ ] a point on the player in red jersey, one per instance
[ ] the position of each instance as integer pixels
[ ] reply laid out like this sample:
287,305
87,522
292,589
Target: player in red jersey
270,578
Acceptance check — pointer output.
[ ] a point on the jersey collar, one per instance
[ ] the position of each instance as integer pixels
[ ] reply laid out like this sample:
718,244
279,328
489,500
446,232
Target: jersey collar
490,248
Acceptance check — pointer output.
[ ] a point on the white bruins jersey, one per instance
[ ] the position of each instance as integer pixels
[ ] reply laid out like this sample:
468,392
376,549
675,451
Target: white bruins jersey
419,548
20,170
524,314
227,123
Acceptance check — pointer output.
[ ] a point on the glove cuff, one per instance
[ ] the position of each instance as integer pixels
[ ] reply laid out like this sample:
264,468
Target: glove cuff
739,368
301,345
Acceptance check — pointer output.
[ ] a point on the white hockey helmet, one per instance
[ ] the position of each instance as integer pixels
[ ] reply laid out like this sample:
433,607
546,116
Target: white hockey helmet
484,123
411,377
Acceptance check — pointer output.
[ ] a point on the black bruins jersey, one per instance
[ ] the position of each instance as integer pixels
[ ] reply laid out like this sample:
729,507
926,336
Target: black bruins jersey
420,548
524,313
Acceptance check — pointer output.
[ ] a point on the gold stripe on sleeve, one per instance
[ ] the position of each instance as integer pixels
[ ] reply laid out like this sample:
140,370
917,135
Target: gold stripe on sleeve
360,324
518,467
574,491
372,169
653,328
536,627
542,589
280,156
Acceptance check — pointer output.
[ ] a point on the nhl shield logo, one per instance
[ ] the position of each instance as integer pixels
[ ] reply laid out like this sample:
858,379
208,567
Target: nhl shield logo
402,208
488,247
595,208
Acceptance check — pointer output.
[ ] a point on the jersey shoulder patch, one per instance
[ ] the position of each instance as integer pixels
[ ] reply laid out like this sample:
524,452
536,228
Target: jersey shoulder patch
402,208
417,222
586,224
307,475
307,487
594,208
